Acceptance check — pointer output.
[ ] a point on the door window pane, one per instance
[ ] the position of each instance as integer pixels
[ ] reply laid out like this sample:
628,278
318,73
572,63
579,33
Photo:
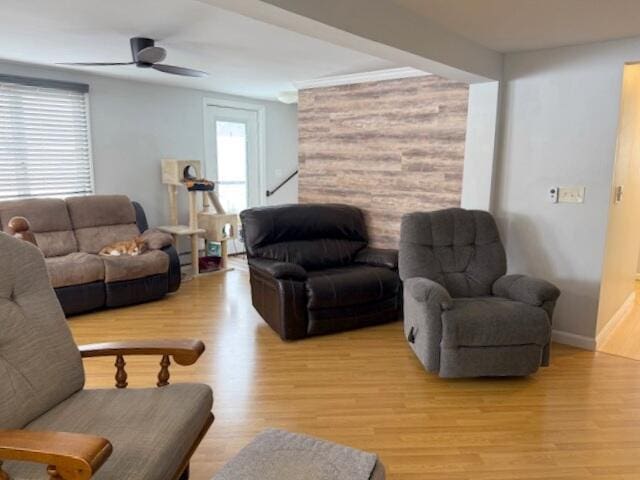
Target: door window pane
231,139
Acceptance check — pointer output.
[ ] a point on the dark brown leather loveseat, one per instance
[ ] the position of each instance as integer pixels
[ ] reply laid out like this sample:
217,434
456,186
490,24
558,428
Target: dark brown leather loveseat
312,272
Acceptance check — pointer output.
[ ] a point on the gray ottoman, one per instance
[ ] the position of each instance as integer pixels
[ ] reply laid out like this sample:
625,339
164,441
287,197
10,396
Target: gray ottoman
280,455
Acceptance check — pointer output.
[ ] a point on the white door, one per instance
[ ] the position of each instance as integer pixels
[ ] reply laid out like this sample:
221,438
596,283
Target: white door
231,136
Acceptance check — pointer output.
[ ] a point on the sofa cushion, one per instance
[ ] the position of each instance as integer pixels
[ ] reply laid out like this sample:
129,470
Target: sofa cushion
94,239
99,220
125,267
493,321
40,365
74,269
49,220
354,285
151,430
100,210
313,236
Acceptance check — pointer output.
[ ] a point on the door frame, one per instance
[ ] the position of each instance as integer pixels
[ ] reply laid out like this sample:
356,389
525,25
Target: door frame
261,112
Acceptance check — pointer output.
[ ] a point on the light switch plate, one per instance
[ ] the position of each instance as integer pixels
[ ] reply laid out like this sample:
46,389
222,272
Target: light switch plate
571,194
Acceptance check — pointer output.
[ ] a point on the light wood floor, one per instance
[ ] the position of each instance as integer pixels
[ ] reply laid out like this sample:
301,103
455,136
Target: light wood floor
624,340
578,419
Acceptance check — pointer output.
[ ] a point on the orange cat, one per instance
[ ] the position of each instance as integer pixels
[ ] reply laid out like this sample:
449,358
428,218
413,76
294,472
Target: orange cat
132,247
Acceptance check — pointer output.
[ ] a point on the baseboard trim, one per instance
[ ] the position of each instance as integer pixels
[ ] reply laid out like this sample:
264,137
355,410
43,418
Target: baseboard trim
574,340
617,317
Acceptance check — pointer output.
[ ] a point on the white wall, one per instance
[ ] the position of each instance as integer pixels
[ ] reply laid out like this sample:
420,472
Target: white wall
134,125
480,146
560,117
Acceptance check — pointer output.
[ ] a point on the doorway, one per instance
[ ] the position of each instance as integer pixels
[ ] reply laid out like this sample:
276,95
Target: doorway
618,325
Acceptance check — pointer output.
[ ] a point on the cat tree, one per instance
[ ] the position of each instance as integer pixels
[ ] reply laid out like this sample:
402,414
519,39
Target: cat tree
212,225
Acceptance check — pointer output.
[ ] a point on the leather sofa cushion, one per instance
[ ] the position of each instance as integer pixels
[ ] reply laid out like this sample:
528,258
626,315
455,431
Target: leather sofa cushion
94,239
49,220
100,210
493,322
346,286
74,269
126,267
151,429
314,236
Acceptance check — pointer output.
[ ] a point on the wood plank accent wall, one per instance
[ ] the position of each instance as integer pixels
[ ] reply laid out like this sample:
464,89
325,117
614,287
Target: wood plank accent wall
388,147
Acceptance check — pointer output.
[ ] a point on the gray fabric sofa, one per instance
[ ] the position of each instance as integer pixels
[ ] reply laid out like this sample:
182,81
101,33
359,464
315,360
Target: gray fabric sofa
464,317
47,417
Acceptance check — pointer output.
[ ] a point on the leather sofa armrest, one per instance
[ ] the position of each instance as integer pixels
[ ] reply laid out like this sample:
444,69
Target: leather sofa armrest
379,257
279,270
424,290
529,290
72,456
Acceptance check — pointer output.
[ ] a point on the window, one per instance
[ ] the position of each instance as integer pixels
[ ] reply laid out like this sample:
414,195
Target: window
232,165
44,138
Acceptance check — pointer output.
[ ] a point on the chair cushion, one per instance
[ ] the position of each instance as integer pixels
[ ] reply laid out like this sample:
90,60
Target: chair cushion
151,430
354,285
74,269
127,267
493,321
49,220
40,365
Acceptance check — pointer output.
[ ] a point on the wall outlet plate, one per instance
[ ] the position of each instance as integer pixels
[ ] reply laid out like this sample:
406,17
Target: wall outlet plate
571,194
553,194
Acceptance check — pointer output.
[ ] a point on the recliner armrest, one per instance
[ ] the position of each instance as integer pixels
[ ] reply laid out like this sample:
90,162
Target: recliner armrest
379,257
529,290
425,290
279,270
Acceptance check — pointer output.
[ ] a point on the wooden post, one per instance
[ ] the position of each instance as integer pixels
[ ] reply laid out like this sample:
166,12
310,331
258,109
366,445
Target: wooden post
223,254
193,210
194,255
121,373
173,204
164,375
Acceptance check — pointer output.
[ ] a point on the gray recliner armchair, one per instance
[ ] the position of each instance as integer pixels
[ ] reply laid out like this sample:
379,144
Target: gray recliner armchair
464,317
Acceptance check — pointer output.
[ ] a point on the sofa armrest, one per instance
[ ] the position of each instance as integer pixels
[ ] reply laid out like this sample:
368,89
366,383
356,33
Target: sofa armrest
184,352
379,257
427,291
72,456
529,290
156,240
279,270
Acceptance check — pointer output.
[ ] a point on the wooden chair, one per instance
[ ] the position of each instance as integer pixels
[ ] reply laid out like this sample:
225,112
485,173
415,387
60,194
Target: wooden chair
50,424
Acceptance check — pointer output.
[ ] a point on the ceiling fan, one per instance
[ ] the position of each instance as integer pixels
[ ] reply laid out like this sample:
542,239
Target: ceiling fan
146,55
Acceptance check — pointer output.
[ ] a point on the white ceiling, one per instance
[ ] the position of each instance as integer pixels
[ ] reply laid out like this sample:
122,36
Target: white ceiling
517,25
243,56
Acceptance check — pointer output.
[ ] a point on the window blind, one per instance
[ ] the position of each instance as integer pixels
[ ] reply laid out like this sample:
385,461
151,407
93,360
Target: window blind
44,138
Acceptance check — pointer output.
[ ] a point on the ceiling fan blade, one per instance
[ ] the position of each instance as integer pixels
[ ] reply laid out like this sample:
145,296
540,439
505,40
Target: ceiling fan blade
95,64
186,72
152,54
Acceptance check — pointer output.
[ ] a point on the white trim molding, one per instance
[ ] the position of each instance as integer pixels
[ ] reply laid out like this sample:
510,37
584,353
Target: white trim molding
262,134
352,78
574,340
615,320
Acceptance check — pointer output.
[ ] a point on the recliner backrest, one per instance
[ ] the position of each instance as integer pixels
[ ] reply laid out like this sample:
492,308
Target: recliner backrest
99,220
314,236
40,365
460,249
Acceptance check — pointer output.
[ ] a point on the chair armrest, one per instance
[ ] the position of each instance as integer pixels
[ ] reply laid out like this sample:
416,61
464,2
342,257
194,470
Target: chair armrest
279,270
522,288
379,257
184,352
427,291
73,456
